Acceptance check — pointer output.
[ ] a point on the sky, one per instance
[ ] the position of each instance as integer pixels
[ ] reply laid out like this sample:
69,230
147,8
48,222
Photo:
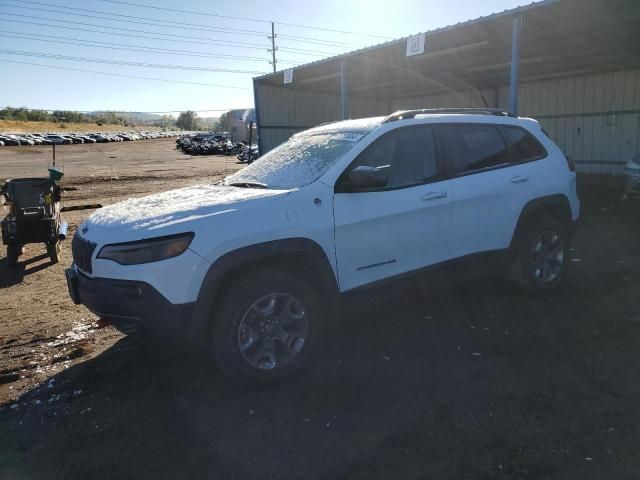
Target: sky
218,56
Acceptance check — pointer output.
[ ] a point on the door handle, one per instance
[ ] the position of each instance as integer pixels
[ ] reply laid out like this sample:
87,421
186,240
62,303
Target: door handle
519,179
433,196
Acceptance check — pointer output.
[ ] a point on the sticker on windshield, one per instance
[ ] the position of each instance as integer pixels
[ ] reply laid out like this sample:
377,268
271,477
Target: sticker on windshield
348,137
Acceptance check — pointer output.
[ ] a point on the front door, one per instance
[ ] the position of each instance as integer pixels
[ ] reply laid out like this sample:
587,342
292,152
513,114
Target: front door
400,227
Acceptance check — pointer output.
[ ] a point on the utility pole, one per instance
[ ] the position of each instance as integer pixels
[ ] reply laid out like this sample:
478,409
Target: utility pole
273,46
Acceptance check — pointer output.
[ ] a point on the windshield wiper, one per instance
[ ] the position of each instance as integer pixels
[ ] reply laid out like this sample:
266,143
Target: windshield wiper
248,184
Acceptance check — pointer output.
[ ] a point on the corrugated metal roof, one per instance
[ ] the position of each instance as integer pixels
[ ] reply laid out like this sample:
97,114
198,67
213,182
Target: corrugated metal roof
466,23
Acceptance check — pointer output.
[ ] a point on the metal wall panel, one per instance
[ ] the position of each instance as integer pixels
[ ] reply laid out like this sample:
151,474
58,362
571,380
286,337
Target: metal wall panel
594,118
285,111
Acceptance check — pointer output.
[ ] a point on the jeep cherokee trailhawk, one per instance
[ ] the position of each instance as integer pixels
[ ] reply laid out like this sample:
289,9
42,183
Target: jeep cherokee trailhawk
251,267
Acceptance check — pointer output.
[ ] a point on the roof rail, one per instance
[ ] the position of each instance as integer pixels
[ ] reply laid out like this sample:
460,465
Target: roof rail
405,114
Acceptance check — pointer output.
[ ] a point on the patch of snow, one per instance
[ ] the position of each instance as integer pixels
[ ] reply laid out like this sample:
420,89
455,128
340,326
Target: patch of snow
79,331
184,204
360,125
298,162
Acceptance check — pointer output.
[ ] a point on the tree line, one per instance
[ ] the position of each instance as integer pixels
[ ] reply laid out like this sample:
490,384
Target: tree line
62,116
186,120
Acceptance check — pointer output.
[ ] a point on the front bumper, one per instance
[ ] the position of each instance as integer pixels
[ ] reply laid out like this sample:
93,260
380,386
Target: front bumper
132,306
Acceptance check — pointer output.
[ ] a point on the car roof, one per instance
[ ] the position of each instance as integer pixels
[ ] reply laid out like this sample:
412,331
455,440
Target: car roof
366,125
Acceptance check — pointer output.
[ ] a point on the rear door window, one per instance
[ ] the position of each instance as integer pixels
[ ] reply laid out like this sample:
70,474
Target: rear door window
469,148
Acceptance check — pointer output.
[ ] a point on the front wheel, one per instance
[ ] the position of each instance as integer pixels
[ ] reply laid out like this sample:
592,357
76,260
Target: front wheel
266,328
543,255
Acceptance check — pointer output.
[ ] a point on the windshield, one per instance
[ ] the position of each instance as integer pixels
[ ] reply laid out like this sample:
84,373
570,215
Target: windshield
298,162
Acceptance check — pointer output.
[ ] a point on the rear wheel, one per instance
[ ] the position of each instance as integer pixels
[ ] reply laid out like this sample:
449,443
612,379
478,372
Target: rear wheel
53,250
266,328
543,255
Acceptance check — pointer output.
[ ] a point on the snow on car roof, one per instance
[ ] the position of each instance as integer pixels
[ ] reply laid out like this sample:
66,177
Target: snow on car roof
357,125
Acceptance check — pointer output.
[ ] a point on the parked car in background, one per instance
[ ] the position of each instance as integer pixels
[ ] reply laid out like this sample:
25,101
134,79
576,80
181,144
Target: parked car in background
77,138
74,139
59,139
42,138
9,141
99,138
36,140
632,177
20,139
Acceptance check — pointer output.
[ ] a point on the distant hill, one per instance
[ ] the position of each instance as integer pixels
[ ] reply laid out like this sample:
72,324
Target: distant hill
141,116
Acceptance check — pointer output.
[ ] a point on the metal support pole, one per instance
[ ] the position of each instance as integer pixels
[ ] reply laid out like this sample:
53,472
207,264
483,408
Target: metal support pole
249,160
54,154
515,64
258,121
344,94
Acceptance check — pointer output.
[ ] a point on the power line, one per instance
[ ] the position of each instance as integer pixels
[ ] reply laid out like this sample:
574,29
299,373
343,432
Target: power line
220,42
125,75
248,19
132,48
74,9
163,23
55,56
214,28
302,52
166,9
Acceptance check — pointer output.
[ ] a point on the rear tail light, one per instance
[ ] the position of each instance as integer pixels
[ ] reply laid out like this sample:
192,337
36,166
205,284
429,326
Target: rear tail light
570,164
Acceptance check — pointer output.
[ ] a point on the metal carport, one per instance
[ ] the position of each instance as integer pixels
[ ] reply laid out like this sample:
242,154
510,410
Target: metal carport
572,64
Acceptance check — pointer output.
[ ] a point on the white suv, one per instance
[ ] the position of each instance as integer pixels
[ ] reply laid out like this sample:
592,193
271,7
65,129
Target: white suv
251,267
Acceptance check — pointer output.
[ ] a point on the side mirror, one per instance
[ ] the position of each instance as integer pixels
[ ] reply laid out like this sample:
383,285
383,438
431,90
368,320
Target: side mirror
365,177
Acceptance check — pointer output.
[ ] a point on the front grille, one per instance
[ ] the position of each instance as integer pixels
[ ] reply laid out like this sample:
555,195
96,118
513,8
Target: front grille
82,250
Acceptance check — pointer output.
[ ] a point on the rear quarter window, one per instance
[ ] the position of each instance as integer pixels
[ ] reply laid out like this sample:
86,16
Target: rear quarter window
523,145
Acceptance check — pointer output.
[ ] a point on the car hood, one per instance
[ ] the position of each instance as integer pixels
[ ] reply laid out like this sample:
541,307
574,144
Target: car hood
170,212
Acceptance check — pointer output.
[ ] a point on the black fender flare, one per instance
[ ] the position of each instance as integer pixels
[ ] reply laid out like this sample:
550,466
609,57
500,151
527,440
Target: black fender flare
557,205
257,253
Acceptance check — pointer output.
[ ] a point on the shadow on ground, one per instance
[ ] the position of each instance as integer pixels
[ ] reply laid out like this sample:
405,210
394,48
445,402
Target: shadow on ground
477,381
13,275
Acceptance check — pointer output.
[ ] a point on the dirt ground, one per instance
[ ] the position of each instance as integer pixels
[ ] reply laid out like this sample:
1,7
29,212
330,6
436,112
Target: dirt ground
476,381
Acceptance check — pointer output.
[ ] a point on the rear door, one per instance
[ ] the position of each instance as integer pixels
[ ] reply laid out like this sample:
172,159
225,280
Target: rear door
401,227
491,180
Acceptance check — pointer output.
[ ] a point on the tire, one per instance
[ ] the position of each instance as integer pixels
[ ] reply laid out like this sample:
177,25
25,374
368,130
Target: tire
53,250
266,328
542,260
13,252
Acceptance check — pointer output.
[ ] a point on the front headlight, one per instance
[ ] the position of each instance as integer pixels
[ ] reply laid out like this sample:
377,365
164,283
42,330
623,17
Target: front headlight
147,251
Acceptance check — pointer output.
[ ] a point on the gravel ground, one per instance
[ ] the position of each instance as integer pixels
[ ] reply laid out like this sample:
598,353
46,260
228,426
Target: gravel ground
474,381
